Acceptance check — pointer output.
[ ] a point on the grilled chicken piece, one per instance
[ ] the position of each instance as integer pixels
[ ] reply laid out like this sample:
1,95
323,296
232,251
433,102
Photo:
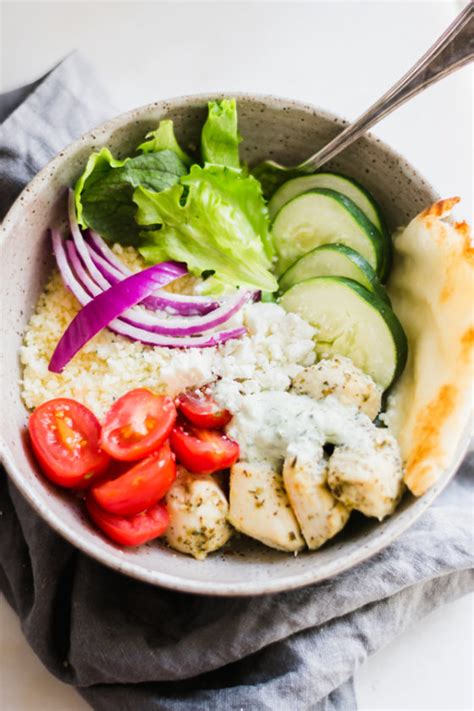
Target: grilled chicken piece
198,515
320,515
370,481
340,377
259,506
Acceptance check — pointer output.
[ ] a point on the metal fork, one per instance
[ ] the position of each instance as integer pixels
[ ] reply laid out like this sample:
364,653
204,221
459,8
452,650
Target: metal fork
453,49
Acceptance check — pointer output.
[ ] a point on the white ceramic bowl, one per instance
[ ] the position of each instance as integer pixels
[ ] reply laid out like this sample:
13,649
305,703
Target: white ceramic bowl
287,131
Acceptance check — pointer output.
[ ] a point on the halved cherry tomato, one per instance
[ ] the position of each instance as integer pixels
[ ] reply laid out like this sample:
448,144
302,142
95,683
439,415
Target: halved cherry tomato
137,424
202,451
131,530
140,487
200,409
65,439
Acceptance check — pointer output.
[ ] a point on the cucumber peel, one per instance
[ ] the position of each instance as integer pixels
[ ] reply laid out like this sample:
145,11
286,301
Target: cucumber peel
333,260
324,216
334,181
351,321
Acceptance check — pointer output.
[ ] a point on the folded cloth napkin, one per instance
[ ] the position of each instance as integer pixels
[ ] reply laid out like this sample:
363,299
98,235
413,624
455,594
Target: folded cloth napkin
127,645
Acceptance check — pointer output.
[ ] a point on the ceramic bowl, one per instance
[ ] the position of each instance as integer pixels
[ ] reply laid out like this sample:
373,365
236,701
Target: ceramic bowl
287,131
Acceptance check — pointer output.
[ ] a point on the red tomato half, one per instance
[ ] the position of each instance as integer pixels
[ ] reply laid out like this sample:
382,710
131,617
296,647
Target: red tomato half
65,439
140,487
200,409
203,451
131,530
137,424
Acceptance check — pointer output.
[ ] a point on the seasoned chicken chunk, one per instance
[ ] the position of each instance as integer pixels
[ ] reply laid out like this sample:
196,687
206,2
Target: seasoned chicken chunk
319,514
198,515
369,480
340,377
259,506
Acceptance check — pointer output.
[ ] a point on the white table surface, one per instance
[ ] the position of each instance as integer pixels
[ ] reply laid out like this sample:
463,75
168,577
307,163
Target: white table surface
341,56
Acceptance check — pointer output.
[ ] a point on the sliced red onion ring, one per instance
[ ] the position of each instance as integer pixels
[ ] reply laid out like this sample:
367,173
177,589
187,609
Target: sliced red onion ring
102,248
102,311
108,271
67,275
154,339
140,318
83,276
178,304
175,304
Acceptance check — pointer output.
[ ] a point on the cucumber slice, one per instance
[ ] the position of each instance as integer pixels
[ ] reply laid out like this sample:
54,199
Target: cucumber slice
333,260
334,181
353,322
324,216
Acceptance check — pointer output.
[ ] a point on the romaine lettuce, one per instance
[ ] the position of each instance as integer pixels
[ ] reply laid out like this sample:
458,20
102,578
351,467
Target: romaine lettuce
214,220
164,139
220,138
104,192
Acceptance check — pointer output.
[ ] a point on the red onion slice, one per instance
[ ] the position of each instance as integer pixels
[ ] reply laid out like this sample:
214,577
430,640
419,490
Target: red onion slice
102,311
102,248
154,339
108,271
140,318
179,304
70,281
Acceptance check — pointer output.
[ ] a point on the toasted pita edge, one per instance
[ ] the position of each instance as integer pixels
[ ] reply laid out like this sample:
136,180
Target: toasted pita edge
433,284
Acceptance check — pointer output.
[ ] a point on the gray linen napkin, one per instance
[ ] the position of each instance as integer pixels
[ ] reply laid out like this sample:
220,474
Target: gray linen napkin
126,645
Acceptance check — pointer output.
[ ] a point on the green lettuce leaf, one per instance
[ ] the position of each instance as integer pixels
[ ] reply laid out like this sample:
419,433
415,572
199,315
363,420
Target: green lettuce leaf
104,192
215,220
164,139
220,138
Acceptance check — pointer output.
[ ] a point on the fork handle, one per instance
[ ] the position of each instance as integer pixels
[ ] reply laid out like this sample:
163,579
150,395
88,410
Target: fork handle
453,49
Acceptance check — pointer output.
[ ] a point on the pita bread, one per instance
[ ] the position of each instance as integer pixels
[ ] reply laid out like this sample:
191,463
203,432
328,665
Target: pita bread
432,292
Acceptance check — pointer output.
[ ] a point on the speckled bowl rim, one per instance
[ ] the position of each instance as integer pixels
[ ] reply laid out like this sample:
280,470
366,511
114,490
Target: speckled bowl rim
115,558
270,100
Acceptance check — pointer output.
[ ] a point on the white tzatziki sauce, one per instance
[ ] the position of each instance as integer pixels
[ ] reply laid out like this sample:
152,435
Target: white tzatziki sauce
271,424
